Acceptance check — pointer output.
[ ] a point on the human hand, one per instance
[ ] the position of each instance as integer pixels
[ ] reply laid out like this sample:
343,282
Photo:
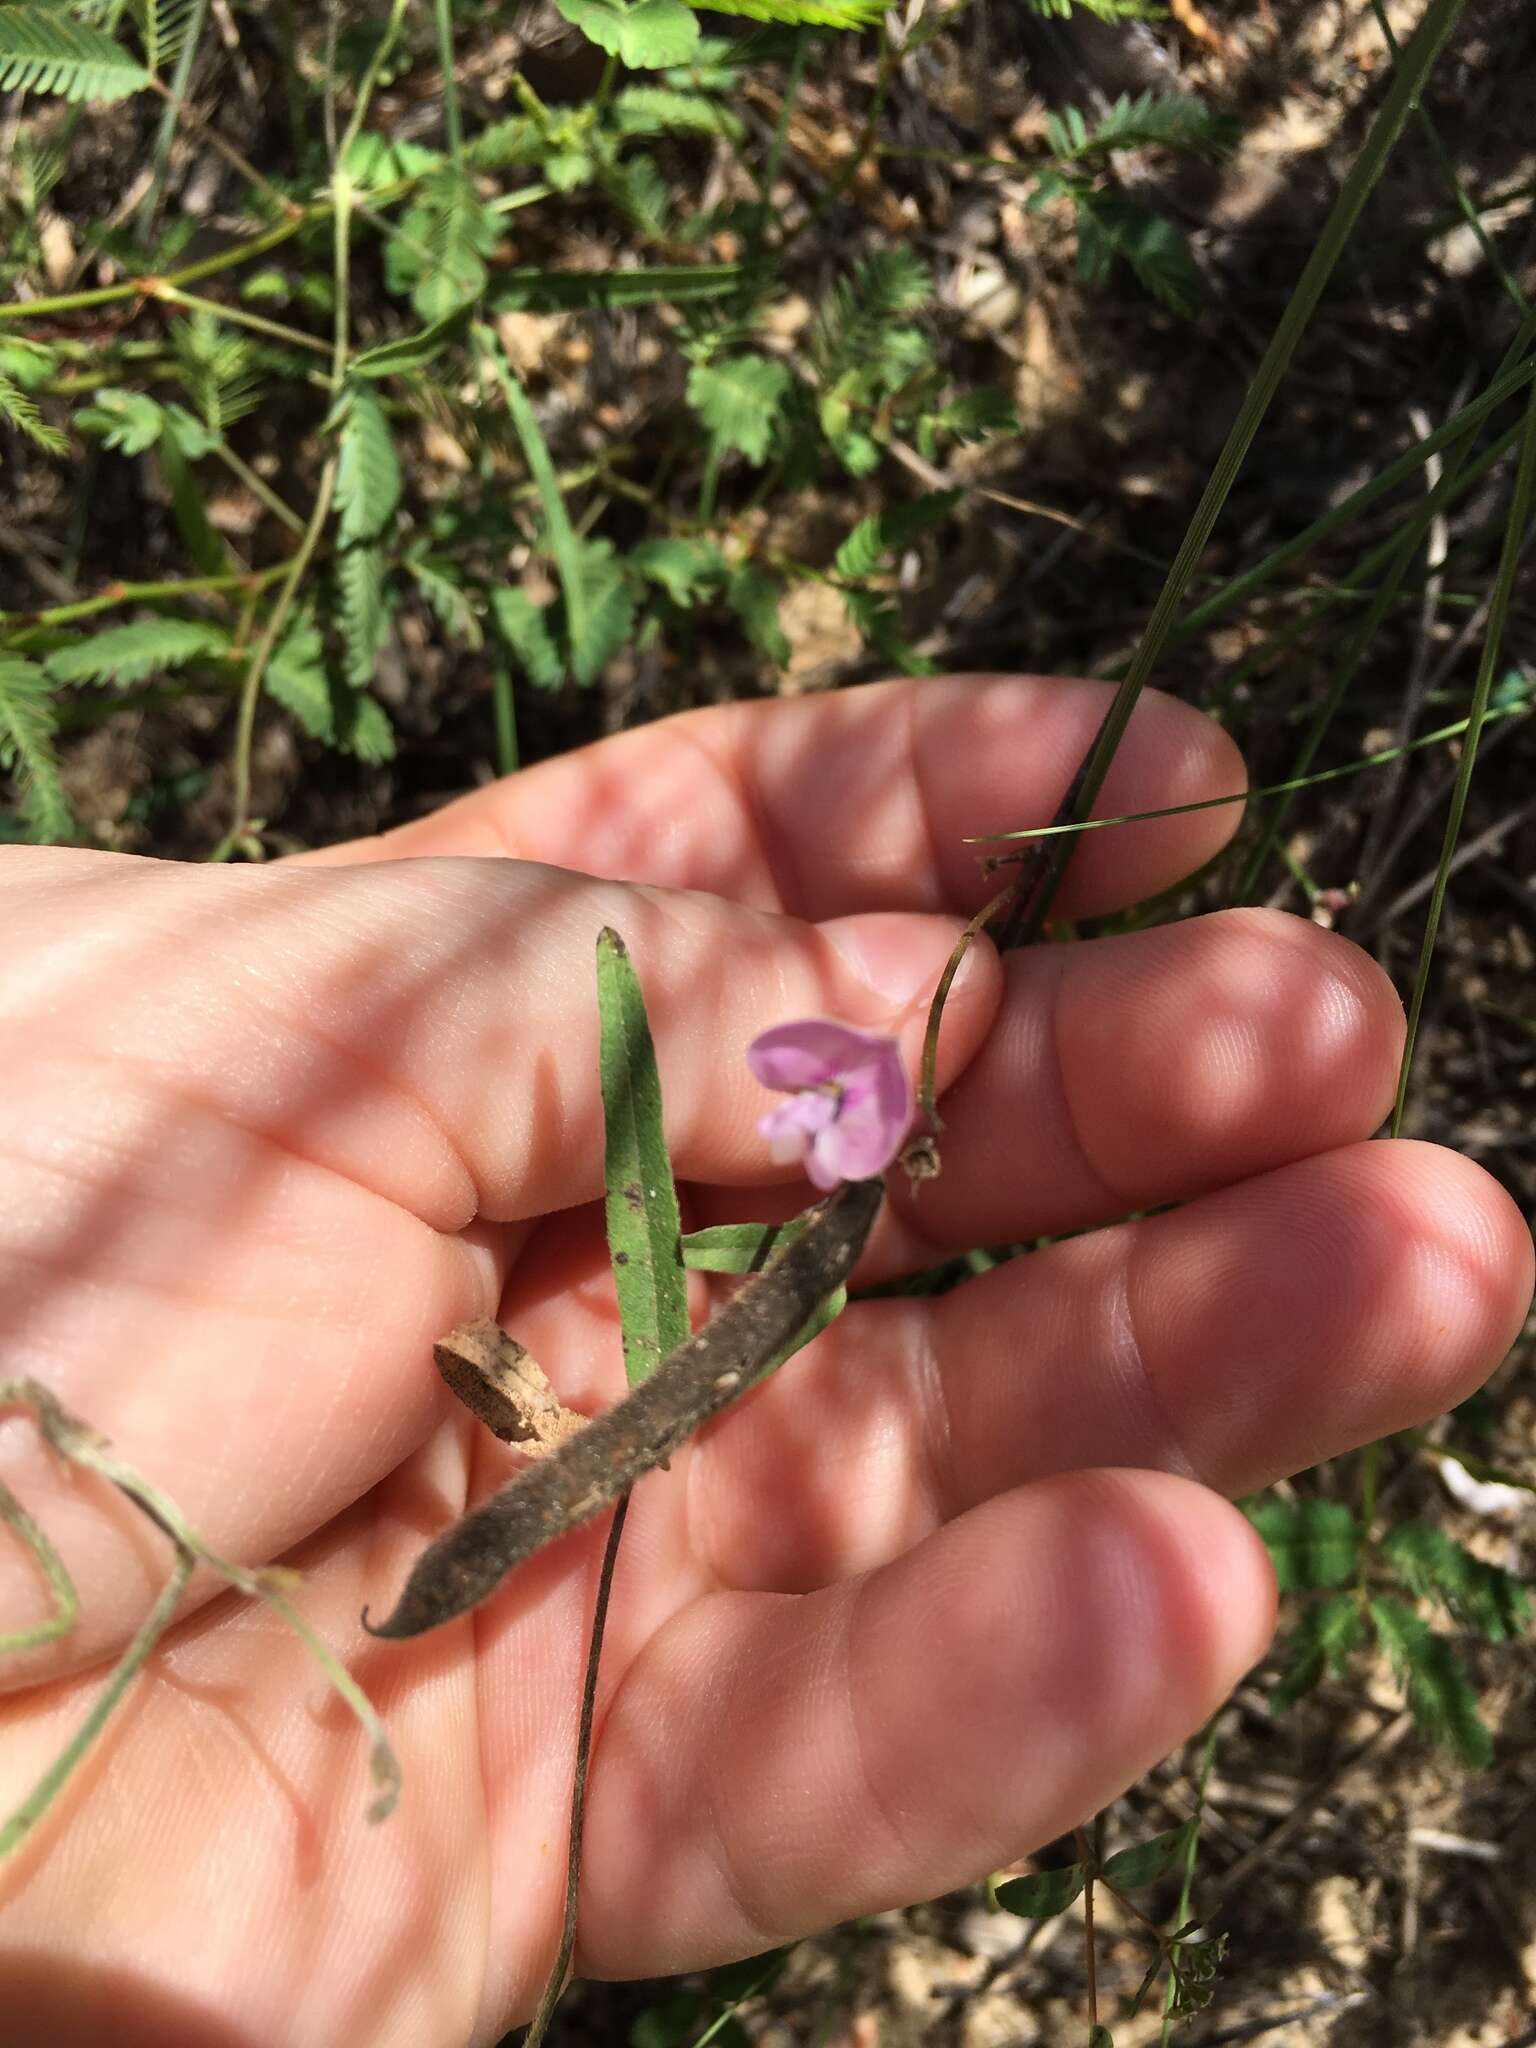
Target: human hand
892,1622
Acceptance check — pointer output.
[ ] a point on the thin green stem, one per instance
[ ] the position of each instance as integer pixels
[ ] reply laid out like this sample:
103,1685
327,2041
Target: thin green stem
136,287
1417,62
371,76
258,487
66,1602
452,127
47,1789
145,593
192,35
238,316
1448,171
1187,1876
1498,613
504,709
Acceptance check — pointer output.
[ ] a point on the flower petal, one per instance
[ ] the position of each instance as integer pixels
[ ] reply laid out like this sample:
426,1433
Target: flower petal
812,1051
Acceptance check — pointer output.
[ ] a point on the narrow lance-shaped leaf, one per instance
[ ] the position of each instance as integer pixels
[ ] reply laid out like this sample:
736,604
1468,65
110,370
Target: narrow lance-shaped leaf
644,1224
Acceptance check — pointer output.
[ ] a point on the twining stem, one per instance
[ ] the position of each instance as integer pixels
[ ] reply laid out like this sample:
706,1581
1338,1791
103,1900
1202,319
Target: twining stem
555,1984
66,1601
927,1087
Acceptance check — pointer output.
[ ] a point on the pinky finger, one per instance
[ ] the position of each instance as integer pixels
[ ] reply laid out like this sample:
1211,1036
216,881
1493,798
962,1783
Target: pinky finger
776,1763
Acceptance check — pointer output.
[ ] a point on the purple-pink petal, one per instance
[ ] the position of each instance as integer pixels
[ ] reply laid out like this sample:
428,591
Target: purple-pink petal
809,1052
850,1100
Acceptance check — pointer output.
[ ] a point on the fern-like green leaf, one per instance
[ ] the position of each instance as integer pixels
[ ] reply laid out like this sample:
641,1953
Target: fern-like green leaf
296,677
982,414
363,728
27,726
451,607
738,399
524,626
506,144
128,421
439,254
1311,1543
1156,250
1440,1695
607,614
1479,1595
879,623
368,471
858,313
662,110
884,534
754,597
216,367
685,569
641,190
1326,1635
43,49
131,654
364,615
1174,120
163,29
23,412
647,35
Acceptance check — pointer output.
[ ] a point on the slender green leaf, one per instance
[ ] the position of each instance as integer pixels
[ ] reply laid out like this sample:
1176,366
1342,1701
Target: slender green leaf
644,1224
850,15
545,291
884,534
411,351
737,1247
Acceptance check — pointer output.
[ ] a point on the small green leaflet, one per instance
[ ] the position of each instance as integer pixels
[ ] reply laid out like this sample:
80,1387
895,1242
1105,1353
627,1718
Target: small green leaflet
1146,1862
368,472
738,399
1043,1894
644,1225
647,36
1312,1543
131,654
296,677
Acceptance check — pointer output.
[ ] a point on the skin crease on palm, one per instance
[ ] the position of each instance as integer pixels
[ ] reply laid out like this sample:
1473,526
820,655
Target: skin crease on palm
941,1589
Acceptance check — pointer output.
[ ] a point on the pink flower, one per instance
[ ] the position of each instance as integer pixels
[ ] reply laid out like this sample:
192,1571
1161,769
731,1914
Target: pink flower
850,1101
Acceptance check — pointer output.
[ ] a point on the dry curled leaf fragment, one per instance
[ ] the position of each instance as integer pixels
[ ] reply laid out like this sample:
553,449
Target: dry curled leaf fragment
503,1385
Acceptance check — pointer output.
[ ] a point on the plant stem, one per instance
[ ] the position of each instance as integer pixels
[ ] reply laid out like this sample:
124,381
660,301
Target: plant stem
1034,898
452,127
1498,613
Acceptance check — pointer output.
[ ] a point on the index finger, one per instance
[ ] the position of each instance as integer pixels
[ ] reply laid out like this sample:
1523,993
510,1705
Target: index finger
859,800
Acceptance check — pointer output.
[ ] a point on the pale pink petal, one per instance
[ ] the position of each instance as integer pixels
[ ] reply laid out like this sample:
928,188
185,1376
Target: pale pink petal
810,1051
792,1126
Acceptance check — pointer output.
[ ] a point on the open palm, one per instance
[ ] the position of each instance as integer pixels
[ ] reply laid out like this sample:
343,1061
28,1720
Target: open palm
939,1590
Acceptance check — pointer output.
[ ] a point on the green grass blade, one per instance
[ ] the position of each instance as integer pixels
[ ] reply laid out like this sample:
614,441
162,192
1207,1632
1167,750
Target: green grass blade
1414,67
644,1225
563,544
1503,590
